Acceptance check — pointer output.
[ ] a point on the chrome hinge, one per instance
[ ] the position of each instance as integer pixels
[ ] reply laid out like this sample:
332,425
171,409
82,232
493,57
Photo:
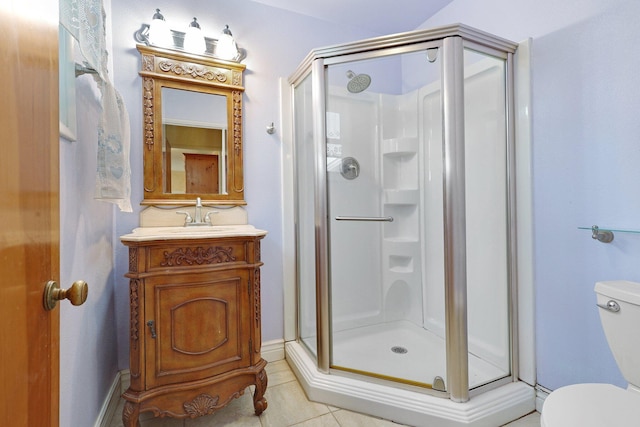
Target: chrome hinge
438,384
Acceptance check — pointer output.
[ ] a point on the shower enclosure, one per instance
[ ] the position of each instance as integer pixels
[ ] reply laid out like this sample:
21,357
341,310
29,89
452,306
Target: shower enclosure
405,224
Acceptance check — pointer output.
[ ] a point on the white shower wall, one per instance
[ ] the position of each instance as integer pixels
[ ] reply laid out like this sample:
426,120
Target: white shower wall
401,168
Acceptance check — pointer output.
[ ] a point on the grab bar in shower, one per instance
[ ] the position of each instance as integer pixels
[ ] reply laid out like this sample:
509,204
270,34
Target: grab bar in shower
365,218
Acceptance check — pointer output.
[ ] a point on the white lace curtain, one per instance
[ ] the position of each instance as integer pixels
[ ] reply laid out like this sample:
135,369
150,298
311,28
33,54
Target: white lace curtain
85,20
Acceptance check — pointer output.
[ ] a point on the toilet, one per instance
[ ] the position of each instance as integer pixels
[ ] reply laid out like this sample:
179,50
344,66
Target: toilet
605,405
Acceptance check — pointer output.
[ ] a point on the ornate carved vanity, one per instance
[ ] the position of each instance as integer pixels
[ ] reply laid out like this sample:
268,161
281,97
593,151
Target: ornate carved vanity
194,278
195,321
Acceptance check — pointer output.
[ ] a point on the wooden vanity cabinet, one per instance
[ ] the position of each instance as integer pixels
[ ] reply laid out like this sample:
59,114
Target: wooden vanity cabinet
194,326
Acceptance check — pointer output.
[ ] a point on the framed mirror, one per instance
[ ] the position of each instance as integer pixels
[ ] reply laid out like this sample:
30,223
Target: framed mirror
192,108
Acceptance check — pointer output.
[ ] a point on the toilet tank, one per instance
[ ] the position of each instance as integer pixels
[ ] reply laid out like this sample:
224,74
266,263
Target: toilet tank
621,327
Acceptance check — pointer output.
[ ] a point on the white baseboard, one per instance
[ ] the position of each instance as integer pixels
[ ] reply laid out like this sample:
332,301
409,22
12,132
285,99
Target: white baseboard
272,351
541,395
112,400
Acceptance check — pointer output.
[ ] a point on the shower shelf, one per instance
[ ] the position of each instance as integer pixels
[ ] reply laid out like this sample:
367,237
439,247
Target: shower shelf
605,234
612,229
401,264
401,270
401,240
404,146
401,197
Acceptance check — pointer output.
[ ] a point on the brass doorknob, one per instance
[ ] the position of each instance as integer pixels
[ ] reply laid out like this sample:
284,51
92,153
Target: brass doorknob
76,294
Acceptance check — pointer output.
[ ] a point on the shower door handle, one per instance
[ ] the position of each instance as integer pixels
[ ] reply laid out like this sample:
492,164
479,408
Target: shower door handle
365,218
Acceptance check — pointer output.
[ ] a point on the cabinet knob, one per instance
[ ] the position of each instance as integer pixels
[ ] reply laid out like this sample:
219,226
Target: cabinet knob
76,294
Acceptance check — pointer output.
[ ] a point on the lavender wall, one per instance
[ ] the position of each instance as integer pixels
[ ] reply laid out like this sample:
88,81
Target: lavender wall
585,157
88,355
88,336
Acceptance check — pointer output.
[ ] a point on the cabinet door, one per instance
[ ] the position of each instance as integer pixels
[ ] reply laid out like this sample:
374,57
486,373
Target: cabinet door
198,329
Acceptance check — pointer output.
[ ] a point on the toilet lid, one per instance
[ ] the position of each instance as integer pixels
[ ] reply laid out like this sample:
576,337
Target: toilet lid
591,405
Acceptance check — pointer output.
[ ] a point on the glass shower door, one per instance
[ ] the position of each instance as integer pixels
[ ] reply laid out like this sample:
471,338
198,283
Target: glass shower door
384,191
487,217
305,211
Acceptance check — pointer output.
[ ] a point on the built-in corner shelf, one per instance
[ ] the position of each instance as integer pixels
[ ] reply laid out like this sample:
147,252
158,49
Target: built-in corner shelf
401,197
605,234
403,146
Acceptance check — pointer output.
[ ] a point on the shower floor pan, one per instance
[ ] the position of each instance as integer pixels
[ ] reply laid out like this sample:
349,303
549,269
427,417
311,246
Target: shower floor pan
405,351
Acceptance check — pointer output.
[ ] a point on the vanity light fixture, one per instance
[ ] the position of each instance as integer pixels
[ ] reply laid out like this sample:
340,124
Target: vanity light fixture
192,40
159,31
227,48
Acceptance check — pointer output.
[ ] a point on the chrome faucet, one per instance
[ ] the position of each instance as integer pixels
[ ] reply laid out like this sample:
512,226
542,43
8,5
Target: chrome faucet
197,219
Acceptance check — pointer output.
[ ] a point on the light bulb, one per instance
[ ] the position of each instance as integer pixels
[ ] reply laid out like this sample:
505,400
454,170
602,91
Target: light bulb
194,39
226,47
159,32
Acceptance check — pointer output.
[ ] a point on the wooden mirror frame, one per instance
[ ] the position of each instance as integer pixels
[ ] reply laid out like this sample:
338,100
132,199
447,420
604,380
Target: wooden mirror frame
180,70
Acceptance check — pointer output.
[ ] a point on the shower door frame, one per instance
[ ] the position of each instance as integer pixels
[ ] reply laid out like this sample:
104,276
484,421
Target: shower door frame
454,40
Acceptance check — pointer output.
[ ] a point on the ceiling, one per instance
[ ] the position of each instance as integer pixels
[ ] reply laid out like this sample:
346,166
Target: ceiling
378,16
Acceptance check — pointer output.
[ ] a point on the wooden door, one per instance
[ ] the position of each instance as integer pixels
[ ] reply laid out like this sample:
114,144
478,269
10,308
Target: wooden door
29,212
201,172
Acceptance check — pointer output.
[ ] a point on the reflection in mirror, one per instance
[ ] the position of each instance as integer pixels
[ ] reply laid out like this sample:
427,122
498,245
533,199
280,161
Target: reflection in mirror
194,142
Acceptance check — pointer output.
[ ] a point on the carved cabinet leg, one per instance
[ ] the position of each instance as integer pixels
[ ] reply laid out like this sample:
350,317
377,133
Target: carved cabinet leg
259,402
130,415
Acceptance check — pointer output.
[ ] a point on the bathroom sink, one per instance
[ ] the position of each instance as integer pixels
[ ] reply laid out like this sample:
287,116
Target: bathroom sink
201,229
197,232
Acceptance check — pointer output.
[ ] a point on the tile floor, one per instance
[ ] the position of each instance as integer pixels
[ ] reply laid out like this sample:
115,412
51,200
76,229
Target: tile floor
288,406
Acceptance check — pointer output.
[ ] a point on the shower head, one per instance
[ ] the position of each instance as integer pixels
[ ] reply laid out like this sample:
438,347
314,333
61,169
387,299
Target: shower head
357,83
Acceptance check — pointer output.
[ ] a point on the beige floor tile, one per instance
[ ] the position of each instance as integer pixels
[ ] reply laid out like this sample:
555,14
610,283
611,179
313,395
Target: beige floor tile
323,421
279,373
288,405
354,419
116,420
531,420
162,422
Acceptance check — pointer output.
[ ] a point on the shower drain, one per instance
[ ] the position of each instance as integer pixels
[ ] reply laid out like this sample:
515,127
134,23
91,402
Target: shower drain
398,349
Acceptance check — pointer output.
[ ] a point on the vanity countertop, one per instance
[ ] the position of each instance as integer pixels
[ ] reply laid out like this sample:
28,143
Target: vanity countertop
142,234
